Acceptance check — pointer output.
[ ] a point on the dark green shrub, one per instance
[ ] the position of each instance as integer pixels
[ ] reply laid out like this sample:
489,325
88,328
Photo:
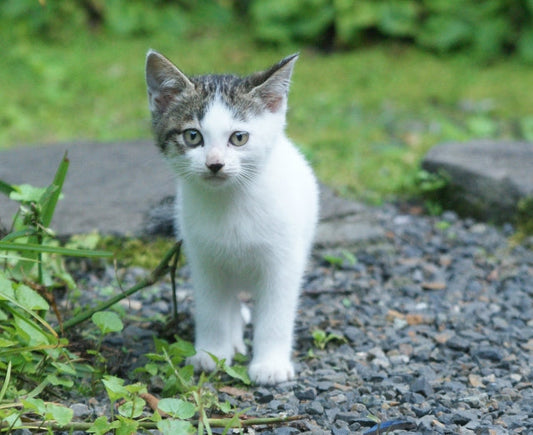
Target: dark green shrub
486,28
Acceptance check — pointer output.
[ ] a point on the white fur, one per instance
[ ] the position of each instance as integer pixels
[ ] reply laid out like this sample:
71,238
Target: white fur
247,228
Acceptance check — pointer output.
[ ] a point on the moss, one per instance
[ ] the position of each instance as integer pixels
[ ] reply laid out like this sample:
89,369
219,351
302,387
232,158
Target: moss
146,253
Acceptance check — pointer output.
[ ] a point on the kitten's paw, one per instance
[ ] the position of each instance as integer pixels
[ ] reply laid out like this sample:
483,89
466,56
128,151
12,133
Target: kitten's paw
202,362
271,372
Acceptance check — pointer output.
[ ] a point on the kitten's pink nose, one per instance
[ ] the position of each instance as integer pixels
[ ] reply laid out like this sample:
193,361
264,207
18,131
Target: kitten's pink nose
215,167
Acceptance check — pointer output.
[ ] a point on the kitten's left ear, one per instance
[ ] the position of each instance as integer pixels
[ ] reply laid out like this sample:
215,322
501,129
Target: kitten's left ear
272,85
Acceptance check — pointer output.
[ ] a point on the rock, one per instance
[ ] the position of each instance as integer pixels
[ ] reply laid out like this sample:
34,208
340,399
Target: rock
286,431
347,232
315,408
307,394
422,386
263,395
490,353
80,410
487,179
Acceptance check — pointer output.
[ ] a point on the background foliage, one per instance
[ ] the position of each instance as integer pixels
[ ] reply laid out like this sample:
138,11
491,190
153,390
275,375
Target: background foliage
487,29
379,82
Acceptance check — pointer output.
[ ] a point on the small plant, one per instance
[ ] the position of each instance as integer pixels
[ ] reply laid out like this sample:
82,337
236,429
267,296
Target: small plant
321,338
337,261
431,186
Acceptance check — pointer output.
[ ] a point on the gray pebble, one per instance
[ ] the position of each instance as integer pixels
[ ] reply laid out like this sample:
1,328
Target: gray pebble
81,410
422,386
314,408
262,395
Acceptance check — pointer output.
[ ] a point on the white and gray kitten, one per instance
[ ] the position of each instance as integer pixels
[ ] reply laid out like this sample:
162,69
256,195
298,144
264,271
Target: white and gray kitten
247,206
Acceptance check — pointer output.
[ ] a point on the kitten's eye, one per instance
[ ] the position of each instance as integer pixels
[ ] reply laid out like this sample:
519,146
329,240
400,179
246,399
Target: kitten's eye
193,137
239,138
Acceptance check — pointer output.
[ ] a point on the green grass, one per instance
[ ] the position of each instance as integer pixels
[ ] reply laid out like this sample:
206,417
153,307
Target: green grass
364,118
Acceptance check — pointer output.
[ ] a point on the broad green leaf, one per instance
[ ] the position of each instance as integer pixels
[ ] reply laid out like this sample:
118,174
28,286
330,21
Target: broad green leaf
34,335
12,420
36,405
107,321
27,193
238,372
151,369
181,348
132,408
6,289
101,426
126,426
63,382
29,298
225,407
63,368
61,414
175,427
115,388
177,408
136,388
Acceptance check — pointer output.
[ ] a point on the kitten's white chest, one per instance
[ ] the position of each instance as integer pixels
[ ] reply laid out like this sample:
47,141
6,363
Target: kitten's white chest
224,222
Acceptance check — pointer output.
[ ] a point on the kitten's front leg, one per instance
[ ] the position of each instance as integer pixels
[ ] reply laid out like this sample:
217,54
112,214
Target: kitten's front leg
273,334
218,328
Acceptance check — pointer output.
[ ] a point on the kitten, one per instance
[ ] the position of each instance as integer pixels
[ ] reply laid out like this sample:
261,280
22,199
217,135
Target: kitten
247,206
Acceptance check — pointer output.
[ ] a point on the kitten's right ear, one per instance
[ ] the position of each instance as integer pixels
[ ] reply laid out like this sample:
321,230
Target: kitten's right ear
164,81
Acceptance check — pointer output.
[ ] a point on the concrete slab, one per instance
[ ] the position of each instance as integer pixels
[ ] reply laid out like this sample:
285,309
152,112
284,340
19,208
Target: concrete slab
109,186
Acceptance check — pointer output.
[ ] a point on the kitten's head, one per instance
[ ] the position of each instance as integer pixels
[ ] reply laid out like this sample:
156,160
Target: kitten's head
217,129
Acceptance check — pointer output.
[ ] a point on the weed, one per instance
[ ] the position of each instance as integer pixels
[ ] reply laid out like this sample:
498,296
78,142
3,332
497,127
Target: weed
321,338
337,261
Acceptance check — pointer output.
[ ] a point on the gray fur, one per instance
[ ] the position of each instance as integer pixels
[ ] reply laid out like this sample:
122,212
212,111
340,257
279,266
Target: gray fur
181,99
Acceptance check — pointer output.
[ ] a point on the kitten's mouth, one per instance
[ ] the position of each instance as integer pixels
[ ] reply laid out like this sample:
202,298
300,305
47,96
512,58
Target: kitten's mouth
215,179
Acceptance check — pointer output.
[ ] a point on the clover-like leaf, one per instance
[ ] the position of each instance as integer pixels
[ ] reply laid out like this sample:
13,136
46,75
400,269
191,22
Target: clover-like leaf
107,321
177,408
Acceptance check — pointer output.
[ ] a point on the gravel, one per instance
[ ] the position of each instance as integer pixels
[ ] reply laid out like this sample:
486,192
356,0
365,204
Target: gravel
432,327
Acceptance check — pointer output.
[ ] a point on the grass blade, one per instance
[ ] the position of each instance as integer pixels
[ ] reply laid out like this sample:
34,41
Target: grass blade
28,232
6,188
6,381
33,247
50,203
